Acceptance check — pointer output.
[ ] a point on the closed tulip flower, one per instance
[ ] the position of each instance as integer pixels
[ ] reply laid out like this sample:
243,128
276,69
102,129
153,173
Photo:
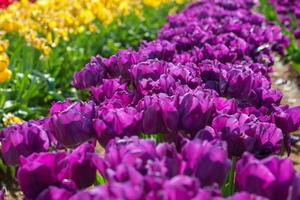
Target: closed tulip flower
58,107
160,114
38,172
195,113
130,151
23,140
288,120
160,49
179,187
78,167
74,125
149,69
234,130
91,75
270,177
107,89
120,122
204,158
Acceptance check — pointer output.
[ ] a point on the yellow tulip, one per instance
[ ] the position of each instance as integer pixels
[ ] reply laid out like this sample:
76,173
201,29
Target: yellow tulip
3,46
154,4
93,28
46,50
180,1
5,76
4,62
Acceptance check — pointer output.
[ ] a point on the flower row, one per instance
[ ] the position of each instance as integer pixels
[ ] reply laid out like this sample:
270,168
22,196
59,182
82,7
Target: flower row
288,14
140,169
44,23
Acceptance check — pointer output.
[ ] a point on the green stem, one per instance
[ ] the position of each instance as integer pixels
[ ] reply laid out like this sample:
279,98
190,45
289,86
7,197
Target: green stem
232,175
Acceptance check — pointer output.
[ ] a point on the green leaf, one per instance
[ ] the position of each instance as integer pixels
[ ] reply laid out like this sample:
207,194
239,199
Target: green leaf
2,166
100,180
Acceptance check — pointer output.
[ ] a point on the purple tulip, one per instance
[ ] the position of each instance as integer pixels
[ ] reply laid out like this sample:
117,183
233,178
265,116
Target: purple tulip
297,10
195,113
111,123
120,99
151,69
297,32
40,171
226,106
187,74
126,191
73,126
208,193
269,97
23,140
239,84
78,167
124,183
58,107
270,177
130,151
37,172
287,120
160,114
179,187
160,49
91,75
294,193
107,89
123,62
269,139
285,20
204,159
171,159
165,84
234,130
208,133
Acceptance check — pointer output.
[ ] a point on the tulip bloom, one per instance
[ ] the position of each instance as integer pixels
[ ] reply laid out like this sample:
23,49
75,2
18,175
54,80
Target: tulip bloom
73,126
78,167
91,75
111,123
23,140
37,172
72,171
270,177
204,159
195,113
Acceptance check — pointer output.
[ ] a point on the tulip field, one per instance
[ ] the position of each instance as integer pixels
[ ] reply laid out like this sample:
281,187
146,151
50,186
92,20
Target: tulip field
149,99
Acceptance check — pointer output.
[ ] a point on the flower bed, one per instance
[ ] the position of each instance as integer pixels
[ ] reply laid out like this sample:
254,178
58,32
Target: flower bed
37,80
287,15
191,115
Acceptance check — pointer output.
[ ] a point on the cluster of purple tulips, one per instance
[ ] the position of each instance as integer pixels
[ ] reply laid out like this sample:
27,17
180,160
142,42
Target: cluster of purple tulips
201,93
288,12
